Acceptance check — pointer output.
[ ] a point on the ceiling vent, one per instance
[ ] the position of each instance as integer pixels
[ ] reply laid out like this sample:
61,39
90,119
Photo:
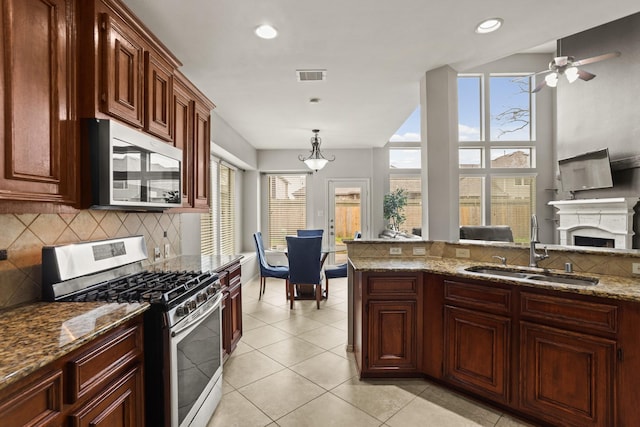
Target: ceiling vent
311,75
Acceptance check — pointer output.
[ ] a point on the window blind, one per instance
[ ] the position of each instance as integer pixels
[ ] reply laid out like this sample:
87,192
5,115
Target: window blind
227,210
208,222
287,207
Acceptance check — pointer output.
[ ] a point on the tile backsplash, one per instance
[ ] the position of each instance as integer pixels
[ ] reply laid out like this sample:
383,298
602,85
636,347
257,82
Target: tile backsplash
24,235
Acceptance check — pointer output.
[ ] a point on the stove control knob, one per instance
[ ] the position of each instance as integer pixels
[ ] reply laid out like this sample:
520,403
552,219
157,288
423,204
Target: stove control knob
192,304
210,290
182,310
201,297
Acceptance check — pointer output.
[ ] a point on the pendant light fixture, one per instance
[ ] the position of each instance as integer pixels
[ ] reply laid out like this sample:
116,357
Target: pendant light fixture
316,160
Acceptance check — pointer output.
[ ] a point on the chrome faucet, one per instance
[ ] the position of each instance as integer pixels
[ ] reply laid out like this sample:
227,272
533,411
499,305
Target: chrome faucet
533,256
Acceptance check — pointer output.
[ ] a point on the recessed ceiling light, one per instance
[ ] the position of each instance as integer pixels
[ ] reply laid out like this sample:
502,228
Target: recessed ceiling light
266,32
489,25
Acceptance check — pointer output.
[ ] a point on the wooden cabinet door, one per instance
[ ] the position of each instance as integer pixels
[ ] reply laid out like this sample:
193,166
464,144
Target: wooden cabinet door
477,349
121,405
38,154
566,377
158,90
122,72
392,339
235,321
182,135
201,133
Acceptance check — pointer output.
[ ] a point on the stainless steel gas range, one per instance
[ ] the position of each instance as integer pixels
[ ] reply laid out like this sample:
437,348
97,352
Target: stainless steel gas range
183,331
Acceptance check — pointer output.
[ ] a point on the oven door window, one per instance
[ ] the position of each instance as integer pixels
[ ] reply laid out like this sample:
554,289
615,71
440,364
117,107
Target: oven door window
143,176
198,359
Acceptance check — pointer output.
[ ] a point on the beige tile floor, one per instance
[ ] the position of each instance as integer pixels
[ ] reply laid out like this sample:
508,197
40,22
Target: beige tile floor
291,369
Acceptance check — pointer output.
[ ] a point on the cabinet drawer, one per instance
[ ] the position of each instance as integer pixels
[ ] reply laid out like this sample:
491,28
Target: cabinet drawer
583,315
93,368
395,285
121,404
234,275
36,404
481,297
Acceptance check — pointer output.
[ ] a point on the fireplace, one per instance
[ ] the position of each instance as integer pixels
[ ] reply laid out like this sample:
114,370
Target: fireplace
604,223
598,242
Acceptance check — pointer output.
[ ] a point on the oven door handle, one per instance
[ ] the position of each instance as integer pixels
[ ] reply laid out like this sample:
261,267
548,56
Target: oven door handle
200,317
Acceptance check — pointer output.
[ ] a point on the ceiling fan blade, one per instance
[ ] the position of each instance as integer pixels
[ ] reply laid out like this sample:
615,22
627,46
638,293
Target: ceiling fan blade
585,75
540,86
596,58
542,72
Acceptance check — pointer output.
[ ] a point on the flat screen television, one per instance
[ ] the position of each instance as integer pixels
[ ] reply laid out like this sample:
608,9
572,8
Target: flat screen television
586,171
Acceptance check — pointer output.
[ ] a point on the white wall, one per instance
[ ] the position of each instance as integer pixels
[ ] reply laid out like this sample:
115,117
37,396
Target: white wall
354,163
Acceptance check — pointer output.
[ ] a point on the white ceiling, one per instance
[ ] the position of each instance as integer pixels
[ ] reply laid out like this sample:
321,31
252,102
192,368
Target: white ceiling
374,51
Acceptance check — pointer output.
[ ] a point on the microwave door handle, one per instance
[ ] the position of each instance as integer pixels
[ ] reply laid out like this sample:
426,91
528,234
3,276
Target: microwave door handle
200,318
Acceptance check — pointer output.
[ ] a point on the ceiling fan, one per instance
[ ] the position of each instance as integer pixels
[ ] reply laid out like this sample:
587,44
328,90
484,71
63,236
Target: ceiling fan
568,66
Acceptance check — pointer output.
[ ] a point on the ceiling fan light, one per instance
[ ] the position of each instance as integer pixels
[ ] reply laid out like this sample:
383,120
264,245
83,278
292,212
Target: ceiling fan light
572,74
551,79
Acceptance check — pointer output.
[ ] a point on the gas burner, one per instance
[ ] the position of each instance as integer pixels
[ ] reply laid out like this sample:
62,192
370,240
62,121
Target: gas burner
164,288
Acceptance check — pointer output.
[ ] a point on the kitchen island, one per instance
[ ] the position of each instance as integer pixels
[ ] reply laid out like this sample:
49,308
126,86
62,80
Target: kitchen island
555,353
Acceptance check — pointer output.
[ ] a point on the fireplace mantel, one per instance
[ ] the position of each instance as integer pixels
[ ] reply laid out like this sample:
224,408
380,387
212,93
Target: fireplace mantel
610,218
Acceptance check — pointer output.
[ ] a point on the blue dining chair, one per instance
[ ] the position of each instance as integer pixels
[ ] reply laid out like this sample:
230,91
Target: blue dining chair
310,233
304,265
339,270
268,270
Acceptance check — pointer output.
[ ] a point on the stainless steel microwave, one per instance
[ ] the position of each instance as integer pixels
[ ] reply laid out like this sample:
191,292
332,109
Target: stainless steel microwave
130,169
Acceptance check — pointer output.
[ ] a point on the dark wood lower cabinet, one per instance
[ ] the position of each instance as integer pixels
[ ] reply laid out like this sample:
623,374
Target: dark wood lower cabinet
231,286
558,358
477,352
116,406
392,332
97,385
567,378
36,403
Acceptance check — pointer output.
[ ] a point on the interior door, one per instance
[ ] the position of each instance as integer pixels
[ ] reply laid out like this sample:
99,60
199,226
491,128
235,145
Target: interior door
348,212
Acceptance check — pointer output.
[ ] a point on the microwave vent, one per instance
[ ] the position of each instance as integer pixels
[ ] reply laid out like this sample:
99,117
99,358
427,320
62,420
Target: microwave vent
311,75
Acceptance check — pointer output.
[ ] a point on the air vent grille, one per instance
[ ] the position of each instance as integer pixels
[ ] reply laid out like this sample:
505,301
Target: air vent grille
311,75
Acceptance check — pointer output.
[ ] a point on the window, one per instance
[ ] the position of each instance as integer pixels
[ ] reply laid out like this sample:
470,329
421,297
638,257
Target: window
404,164
409,131
404,158
287,207
496,155
413,209
471,200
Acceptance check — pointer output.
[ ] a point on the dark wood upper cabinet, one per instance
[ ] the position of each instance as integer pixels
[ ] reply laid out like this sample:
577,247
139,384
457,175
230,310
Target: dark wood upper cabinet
122,73
191,131
158,91
201,161
127,73
182,135
38,155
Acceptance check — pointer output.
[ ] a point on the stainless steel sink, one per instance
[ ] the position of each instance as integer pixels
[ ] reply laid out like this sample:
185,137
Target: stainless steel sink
544,276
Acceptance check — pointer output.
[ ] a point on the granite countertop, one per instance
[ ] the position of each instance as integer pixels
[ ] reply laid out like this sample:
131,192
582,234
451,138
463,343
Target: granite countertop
613,287
37,334
213,263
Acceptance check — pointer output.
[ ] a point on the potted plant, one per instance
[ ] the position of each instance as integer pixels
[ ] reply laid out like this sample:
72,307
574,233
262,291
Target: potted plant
393,206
